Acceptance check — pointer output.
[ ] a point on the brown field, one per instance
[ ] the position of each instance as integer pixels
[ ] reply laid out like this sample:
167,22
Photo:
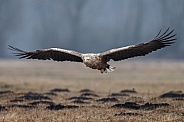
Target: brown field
46,91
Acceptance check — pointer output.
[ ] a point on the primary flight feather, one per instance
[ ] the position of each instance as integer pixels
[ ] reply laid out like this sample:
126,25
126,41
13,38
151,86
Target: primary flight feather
99,61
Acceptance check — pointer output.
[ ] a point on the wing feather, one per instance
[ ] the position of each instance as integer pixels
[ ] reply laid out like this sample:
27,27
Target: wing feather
55,54
160,41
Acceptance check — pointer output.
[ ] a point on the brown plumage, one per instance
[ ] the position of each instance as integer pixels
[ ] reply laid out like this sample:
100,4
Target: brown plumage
99,61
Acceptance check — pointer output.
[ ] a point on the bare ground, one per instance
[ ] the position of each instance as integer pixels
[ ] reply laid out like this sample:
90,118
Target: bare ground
53,91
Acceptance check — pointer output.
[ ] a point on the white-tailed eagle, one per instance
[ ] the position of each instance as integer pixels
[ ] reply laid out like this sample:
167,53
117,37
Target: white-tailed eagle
99,61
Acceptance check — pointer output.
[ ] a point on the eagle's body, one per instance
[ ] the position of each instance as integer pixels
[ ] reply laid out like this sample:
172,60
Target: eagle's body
99,61
95,61
92,60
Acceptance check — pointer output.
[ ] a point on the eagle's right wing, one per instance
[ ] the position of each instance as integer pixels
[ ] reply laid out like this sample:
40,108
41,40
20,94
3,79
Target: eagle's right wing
47,54
160,41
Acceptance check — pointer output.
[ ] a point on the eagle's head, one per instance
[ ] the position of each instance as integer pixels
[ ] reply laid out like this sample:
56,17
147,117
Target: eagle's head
87,60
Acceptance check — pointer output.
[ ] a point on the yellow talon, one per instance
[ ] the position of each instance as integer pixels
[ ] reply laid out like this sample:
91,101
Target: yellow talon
102,71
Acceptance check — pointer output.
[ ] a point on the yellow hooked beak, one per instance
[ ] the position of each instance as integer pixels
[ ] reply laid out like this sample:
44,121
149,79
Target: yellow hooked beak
85,60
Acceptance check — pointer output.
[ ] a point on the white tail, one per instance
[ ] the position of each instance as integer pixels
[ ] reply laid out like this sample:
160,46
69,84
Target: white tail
110,69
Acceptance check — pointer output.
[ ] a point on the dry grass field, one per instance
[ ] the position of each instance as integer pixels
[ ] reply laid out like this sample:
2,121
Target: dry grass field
46,91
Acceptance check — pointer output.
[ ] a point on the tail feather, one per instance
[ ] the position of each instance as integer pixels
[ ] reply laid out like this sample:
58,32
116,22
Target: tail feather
107,69
110,69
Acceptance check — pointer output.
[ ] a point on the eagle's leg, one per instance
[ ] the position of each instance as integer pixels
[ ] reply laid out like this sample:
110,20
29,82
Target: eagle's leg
103,70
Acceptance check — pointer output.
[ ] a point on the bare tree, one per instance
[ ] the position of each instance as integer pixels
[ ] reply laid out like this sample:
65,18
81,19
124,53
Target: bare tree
9,21
2,28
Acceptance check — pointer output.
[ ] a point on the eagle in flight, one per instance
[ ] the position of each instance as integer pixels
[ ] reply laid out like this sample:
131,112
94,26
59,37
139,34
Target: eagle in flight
99,61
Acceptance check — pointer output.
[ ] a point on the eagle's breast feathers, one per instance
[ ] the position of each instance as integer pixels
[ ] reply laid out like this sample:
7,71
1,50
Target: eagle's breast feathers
93,61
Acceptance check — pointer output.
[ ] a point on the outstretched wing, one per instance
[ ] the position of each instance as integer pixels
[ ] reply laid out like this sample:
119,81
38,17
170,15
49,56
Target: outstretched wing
160,41
47,54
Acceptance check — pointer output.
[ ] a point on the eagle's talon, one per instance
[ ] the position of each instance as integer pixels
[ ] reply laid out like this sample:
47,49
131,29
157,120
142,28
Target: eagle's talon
102,71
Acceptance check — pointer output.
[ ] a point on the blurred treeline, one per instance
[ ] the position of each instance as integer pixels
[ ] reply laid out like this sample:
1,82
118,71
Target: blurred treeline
89,25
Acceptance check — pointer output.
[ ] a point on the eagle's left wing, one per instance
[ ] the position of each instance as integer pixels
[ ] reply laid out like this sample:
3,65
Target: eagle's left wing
55,54
160,41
